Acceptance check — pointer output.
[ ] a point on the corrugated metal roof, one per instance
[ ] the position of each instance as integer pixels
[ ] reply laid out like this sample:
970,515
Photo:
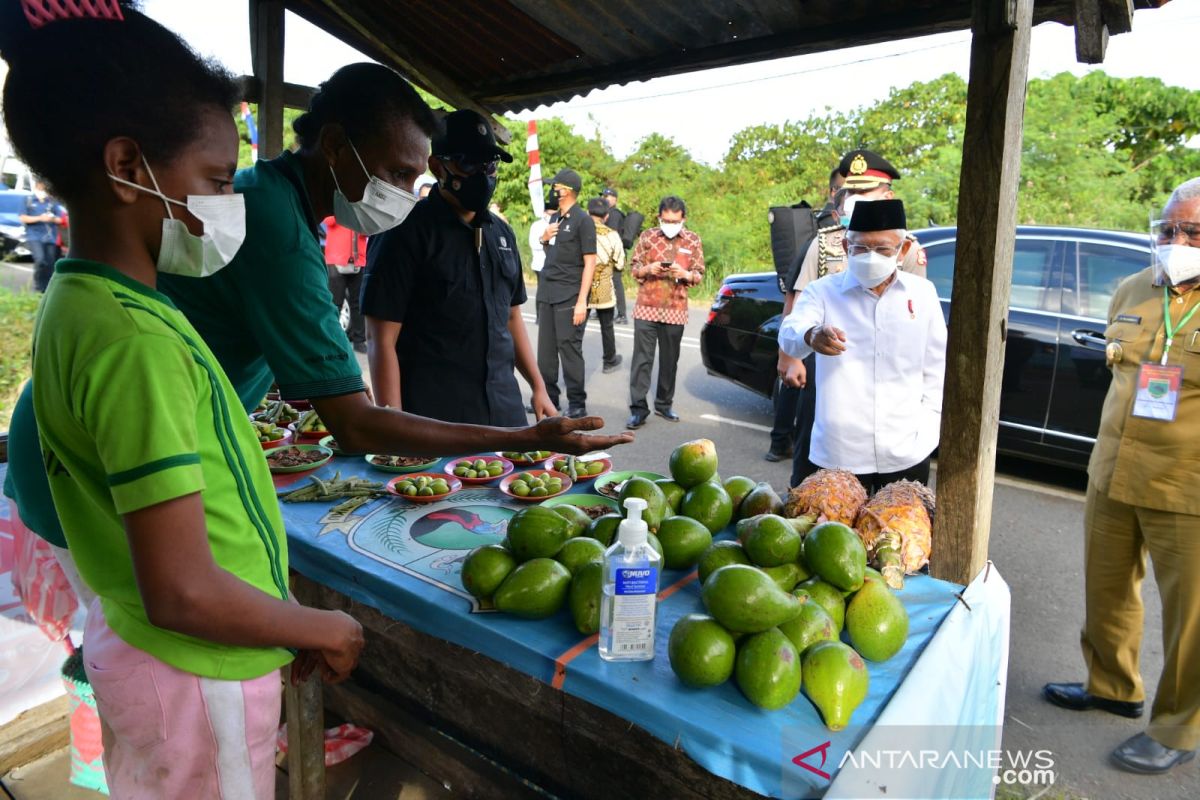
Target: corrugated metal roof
513,55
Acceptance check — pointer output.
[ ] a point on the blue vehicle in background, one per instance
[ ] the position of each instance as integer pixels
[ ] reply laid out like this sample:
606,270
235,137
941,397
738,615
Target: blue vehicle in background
12,232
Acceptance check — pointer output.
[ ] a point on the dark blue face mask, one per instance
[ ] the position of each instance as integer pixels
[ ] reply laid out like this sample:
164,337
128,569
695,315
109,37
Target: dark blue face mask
473,192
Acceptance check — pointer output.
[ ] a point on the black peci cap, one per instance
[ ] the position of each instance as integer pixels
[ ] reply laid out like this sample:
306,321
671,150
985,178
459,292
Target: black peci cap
467,136
864,169
878,215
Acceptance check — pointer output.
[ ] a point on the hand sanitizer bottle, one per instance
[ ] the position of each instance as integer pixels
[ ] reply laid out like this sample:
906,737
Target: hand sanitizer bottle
630,598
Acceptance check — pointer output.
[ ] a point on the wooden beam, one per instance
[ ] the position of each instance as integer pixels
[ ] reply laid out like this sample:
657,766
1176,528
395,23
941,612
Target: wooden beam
266,53
987,215
36,732
1091,35
305,710
295,95
1117,15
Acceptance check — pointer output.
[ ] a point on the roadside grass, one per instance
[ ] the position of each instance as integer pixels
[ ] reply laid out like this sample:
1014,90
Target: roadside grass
1014,791
17,309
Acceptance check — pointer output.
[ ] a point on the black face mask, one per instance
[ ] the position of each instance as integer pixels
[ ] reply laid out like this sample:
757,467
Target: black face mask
552,199
473,192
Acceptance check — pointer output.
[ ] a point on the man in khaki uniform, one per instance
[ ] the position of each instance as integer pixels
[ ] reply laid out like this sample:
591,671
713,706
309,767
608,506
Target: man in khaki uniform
610,259
1142,497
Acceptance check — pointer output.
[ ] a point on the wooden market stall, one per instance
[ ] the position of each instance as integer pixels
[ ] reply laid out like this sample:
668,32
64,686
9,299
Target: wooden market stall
525,53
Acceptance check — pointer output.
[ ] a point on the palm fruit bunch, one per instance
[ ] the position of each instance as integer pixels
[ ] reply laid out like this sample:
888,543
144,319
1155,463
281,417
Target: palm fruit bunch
828,495
896,527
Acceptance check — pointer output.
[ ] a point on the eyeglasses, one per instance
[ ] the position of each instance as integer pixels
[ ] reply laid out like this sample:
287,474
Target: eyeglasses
862,249
1165,230
468,167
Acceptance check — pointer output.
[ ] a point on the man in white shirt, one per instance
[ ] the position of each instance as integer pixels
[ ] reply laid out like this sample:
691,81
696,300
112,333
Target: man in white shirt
536,248
880,339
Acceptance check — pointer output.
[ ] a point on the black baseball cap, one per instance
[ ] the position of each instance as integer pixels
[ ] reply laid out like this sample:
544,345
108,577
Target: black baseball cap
597,207
609,190
569,178
466,135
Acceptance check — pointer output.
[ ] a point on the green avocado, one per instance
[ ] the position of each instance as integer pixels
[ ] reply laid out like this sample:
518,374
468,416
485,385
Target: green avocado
720,554
834,551
745,599
656,502
683,541
768,669
673,491
575,516
836,680
535,590
771,541
701,651
536,532
813,624
876,621
485,568
828,596
708,504
604,529
579,551
583,598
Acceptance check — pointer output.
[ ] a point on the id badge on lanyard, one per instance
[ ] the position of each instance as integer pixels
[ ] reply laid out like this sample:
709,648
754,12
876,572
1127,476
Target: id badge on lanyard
1157,393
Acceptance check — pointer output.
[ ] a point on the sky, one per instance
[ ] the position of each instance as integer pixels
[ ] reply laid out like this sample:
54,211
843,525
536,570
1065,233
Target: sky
702,110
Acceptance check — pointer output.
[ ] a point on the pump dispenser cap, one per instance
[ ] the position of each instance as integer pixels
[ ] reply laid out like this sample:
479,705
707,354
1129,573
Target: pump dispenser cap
633,530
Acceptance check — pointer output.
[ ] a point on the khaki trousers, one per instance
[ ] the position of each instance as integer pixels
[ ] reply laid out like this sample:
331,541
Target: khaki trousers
1116,539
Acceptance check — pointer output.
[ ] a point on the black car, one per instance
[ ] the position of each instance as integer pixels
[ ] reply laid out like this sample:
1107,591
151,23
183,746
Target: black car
1054,378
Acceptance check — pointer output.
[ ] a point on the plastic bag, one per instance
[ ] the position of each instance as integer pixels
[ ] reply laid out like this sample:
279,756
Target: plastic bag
340,742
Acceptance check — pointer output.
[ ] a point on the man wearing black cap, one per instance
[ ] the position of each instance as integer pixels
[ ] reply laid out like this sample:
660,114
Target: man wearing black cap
867,176
443,292
562,294
880,341
616,221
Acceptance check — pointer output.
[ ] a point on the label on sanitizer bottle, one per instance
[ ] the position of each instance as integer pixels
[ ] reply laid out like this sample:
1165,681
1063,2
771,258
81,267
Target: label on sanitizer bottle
633,610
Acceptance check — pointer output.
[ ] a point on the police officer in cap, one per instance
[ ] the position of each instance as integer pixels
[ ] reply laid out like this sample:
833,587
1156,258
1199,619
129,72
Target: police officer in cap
868,176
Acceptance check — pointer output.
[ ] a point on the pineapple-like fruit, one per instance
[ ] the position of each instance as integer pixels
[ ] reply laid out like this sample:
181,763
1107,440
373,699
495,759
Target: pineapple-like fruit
896,528
828,495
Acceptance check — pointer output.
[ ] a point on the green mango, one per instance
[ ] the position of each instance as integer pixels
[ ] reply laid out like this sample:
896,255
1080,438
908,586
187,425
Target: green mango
485,568
720,554
583,598
673,491
768,669
835,680
536,532
683,541
534,590
575,516
604,529
834,551
813,624
656,502
786,576
576,552
693,463
761,500
828,596
876,621
771,541
701,651
746,600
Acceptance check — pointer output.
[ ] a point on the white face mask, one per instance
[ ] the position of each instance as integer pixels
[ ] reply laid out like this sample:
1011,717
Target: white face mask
182,252
848,206
871,269
382,206
671,229
1178,263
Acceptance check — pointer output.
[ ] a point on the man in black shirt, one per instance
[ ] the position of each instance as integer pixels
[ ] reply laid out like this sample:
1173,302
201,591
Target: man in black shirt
570,242
443,291
616,221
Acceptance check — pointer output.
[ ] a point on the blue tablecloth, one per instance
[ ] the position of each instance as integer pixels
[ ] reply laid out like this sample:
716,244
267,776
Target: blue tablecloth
404,559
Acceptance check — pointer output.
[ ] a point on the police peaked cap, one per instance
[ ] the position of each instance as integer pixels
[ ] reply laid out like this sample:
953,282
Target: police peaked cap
878,215
863,169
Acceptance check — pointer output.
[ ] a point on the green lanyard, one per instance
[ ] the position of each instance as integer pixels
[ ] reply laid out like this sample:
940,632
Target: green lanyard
1168,327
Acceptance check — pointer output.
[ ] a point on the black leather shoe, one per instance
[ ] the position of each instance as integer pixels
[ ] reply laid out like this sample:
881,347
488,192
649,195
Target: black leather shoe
773,456
616,362
1143,755
622,320
1074,697
578,412
668,415
637,420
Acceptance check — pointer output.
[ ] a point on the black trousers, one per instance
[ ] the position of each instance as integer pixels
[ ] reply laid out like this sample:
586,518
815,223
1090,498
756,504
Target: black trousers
561,341
346,287
44,256
806,412
608,337
875,481
646,335
787,406
619,290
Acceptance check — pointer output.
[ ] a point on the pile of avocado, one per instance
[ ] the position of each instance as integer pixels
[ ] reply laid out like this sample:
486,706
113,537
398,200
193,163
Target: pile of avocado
528,484
421,486
779,597
479,468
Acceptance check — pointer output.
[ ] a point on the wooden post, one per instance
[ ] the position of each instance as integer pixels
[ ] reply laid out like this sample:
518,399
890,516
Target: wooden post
305,709
987,213
266,52
1091,33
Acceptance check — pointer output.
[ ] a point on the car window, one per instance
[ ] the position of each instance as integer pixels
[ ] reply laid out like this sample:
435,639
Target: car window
1101,270
1034,282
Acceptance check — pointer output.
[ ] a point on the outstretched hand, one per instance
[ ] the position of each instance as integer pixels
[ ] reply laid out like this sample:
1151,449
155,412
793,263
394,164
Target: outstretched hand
563,435
828,340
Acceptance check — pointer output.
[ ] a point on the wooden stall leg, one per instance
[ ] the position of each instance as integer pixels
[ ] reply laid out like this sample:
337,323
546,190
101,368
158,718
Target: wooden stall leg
266,49
987,215
306,738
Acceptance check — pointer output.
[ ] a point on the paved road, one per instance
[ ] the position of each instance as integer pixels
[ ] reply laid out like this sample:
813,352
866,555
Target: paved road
16,275
1037,545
